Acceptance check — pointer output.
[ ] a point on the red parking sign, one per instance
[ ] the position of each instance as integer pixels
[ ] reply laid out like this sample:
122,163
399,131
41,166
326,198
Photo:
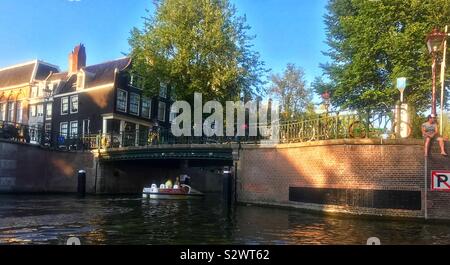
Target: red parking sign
440,181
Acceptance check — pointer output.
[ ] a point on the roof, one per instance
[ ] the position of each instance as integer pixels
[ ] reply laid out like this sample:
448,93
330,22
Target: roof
25,73
96,75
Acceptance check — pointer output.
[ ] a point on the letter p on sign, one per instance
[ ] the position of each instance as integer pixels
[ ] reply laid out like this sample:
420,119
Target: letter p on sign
440,181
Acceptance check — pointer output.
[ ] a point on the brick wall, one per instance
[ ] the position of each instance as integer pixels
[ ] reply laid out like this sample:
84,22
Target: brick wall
27,168
266,173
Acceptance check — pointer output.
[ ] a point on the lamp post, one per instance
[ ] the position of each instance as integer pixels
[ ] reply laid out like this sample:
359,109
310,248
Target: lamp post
435,41
326,100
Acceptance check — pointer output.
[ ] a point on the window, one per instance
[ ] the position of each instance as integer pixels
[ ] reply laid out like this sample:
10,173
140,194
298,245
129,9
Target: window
137,81
48,111
34,91
162,111
10,111
2,111
19,114
146,107
41,89
40,110
73,129
163,91
63,129
48,127
74,104
122,100
32,110
172,116
64,106
134,103
80,80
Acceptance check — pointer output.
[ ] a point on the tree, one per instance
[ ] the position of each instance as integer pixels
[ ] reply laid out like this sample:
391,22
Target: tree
291,91
197,46
372,43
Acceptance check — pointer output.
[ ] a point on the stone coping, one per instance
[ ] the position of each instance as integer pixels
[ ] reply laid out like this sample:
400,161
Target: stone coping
415,142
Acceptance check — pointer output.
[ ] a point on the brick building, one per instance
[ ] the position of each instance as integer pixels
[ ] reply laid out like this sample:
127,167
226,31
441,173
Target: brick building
16,83
104,98
85,100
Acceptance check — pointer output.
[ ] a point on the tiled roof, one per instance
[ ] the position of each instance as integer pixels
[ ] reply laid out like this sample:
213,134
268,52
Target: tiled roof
23,73
104,72
96,75
20,74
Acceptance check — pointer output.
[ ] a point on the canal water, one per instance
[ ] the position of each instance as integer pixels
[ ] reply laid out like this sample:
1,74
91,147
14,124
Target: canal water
39,219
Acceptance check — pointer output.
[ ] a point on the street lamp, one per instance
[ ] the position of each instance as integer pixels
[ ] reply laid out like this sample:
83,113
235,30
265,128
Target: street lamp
401,86
435,41
326,100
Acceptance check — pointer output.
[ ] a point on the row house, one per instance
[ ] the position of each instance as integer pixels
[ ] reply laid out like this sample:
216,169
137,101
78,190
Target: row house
103,99
82,102
17,84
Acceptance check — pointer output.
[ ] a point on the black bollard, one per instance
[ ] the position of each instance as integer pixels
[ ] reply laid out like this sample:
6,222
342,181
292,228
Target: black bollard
81,182
227,187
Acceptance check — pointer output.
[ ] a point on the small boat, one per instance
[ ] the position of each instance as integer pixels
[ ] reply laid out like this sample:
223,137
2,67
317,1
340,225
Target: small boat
177,193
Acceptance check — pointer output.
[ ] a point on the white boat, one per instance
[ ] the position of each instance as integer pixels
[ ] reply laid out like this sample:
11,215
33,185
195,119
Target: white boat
177,193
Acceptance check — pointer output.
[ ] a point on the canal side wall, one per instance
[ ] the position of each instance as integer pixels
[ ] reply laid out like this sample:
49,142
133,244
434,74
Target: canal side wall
360,177
26,168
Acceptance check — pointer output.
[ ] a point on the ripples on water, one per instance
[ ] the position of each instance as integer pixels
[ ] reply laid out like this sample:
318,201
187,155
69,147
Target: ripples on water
37,219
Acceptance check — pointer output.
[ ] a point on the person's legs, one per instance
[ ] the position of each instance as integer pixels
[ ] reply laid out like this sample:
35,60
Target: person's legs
427,145
441,145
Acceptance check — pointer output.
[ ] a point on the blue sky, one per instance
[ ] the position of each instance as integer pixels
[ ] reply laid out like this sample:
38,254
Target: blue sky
286,30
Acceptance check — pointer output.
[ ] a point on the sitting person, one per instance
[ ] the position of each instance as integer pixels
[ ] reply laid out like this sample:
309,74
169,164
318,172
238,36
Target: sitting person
177,183
169,184
430,131
185,179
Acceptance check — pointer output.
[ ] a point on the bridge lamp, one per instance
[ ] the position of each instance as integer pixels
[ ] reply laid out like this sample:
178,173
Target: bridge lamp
326,100
435,42
401,86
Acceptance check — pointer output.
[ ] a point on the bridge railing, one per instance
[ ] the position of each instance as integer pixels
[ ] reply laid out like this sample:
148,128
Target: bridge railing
375,124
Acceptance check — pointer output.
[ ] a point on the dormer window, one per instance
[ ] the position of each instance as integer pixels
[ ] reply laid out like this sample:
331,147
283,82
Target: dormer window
136,81
81,78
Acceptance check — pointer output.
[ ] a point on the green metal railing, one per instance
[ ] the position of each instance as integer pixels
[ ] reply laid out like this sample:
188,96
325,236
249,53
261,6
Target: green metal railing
368,124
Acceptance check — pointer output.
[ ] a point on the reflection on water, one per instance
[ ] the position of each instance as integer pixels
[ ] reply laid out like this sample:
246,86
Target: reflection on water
37,219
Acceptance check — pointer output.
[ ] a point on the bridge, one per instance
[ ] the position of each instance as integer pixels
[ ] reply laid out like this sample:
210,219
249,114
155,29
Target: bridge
160,144
219,152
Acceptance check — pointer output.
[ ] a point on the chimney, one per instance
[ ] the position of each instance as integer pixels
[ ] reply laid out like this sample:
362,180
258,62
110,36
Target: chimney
77,59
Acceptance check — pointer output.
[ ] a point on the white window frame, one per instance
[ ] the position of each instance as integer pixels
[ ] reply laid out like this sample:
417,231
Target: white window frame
48,114
47,127
164,116
71,102
2,111
137,81
149,100
68,105
126,100
40,107
34,91
33,112
61,131
10,111
71,127
138,97
19,111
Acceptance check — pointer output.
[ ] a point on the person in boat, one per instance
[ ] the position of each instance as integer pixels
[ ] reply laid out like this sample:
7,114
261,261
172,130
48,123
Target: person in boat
177,183
169,184
186,180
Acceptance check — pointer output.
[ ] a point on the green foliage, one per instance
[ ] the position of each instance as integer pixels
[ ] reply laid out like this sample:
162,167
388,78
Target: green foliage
197,46
372,43
291,91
